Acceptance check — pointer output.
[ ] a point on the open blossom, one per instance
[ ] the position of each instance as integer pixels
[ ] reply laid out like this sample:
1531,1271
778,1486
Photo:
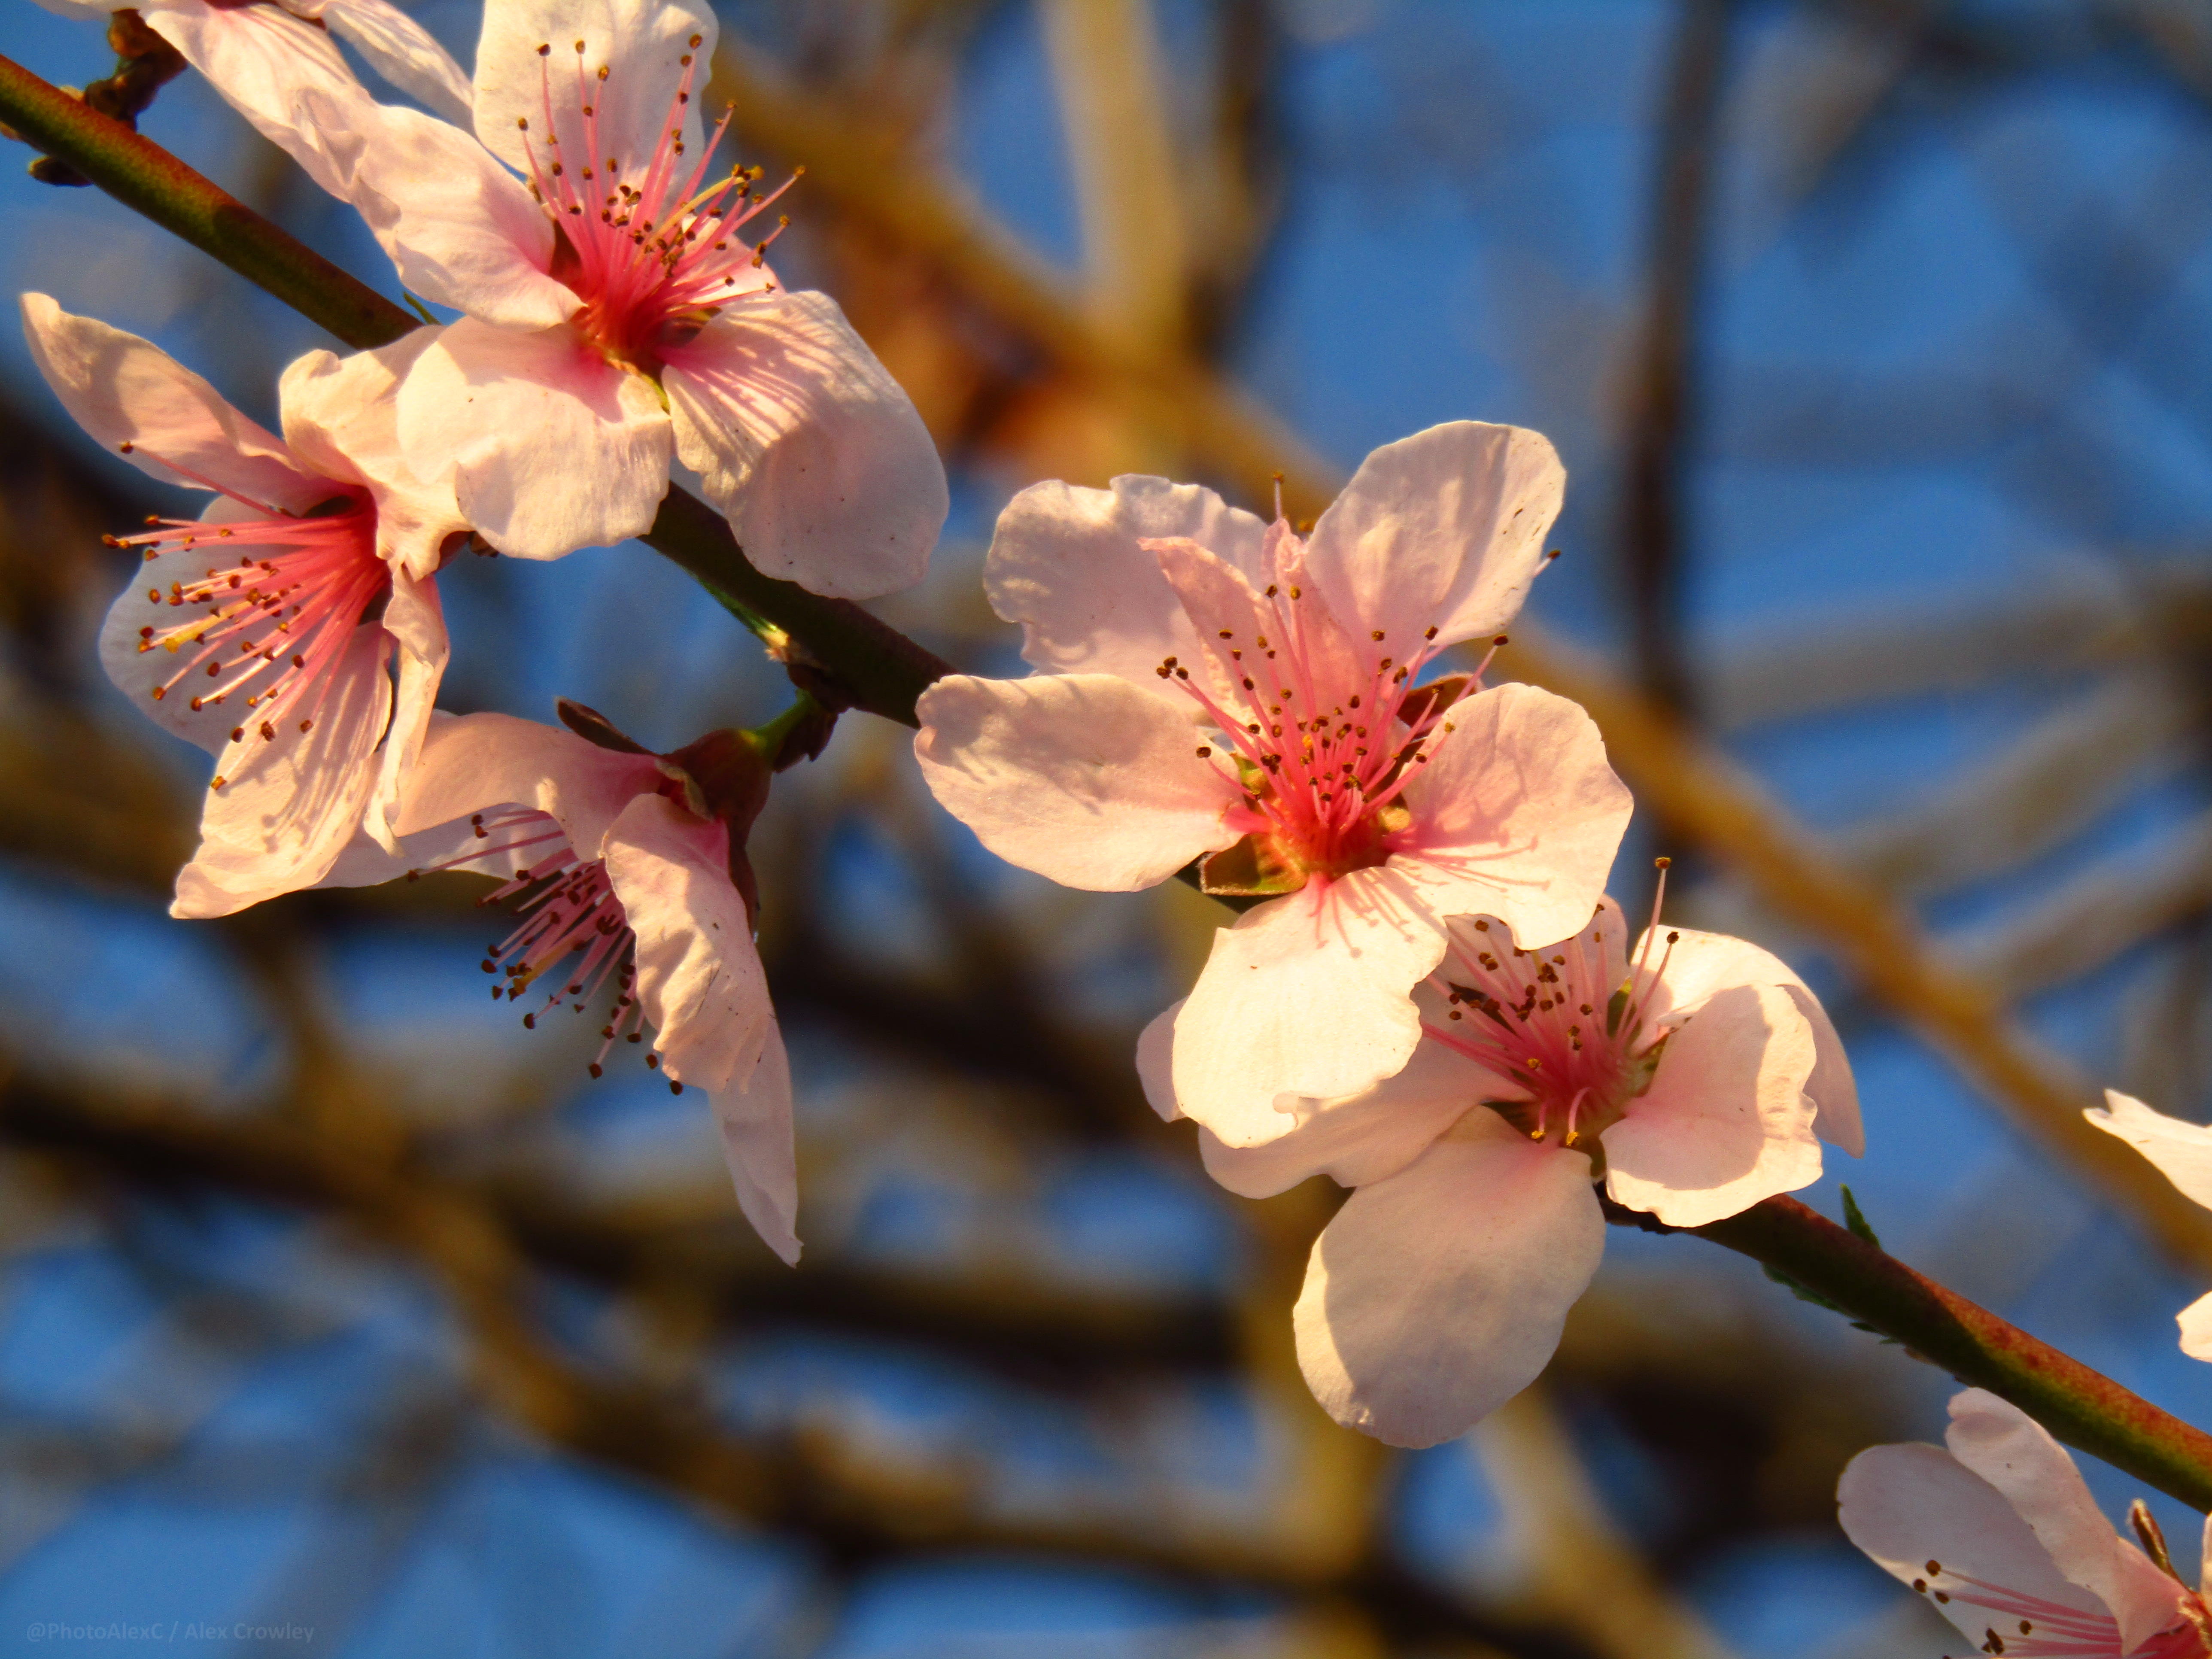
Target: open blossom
265,631
2001,1532
2183,1152
1692,1078
626,873
1212,685
617,315
262,55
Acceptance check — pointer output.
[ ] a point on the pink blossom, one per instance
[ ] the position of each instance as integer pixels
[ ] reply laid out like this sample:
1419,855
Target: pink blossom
616,317
2001,1532
621,868
1691,1079
264,631
1210,684
2183,1152
261,56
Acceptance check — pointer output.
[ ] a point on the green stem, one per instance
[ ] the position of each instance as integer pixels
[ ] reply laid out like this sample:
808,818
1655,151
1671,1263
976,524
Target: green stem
2083,1407
878,668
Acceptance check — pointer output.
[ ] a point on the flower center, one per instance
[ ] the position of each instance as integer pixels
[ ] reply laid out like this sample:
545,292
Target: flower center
650,249
1552,1021
269,620
1321,748
567,909
2026,1626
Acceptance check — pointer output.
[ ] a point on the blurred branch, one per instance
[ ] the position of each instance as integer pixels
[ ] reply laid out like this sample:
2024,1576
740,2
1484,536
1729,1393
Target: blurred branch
1857,1279
1661,413
1557,1528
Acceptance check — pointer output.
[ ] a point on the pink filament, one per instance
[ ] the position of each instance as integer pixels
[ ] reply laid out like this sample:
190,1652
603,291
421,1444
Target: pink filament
652,258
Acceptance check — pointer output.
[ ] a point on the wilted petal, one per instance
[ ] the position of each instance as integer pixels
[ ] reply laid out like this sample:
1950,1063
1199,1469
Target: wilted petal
1307,995
755,1118
1444,529
1912,1505
1437,1295
1067,564
1725,1122
289,804
699,976
1079,777
552,447
126,391
2016,1454
814,453
1516,815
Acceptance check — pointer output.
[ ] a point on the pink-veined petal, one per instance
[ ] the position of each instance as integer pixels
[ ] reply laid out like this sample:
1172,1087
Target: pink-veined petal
1231,616
1307,995
552,447
398,48
1725,1122
699,977
461,229
417,622
1437,1295
816,456
1698,964
1444,529
1357,1139
1516,815
2182,1150
342,416
641,44
270,66
1067,563
289,804
1079,777
2016,1454
754,1115
473,763
1909,1506
123,390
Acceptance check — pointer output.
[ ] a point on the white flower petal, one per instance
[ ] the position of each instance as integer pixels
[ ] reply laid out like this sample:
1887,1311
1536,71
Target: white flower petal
123,390
399,49
814,453
1155,1063
639,43
2182,1150
473,763
461,229
1355,1139
417,622
1725,1122
1066,563
755,1118
699,977
2196,1323
1307,995
1912,1505
1444,529
1698,964
1079,777
552,447
1515,816
2016,1454
1437,1295
290,805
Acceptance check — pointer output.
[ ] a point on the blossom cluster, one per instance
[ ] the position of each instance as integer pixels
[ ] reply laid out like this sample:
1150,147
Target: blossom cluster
1425,994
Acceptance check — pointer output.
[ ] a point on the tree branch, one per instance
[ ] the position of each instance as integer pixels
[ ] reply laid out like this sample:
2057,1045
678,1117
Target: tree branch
878,669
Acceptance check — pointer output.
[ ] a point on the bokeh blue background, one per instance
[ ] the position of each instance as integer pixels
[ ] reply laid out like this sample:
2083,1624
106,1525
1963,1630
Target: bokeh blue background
1944,507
